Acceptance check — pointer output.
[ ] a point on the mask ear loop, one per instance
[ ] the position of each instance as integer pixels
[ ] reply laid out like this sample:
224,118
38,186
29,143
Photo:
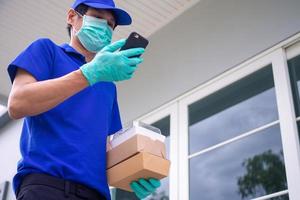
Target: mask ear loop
80,15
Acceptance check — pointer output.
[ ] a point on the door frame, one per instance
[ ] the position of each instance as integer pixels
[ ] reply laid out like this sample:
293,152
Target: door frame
172,111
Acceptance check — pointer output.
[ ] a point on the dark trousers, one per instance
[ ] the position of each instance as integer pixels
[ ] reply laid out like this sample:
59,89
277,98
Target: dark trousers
45,187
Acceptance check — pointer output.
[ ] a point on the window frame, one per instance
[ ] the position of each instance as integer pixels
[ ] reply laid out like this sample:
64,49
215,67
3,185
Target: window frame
293,51
164,111
207,89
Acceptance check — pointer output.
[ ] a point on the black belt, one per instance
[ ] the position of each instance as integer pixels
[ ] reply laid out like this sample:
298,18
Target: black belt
68,187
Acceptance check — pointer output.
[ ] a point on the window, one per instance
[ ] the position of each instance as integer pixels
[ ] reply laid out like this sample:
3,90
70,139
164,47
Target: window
235,149
294,70
3,110
4,190
247,104
4,118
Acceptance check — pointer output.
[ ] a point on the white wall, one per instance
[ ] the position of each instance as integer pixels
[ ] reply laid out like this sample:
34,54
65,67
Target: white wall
9,152
203,42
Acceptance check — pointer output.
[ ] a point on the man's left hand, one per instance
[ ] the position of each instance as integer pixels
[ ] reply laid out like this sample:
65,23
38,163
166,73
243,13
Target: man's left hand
143,188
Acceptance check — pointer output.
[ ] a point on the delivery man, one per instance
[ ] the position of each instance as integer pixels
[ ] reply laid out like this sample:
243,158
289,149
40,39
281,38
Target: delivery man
68,98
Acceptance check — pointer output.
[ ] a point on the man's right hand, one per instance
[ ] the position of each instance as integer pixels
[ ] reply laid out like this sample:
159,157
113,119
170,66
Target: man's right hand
112,65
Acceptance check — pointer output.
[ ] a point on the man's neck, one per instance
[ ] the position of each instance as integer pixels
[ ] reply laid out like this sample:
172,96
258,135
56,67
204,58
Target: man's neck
75,43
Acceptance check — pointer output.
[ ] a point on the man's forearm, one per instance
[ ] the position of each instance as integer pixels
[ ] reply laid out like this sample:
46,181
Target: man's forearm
38,97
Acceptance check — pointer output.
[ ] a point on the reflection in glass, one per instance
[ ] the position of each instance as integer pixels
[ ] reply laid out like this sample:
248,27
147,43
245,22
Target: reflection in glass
294,69
245,169
124,195
261,175
162,193
246,104
283,197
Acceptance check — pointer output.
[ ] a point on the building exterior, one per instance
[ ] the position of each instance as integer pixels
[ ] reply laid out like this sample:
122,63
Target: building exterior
221,81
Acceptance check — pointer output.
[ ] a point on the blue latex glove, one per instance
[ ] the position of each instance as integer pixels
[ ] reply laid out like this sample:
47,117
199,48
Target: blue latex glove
143,188
112,65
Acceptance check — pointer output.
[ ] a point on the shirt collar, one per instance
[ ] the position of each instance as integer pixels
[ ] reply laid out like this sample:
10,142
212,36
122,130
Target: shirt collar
69,49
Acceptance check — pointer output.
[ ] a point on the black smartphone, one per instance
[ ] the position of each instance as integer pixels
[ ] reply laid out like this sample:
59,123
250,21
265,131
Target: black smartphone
135,40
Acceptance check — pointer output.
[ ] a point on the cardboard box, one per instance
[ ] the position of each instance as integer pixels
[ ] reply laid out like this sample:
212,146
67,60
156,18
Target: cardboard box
137,128
137,143
142,165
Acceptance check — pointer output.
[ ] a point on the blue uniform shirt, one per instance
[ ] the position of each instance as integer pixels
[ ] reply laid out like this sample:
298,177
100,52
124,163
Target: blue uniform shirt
68,141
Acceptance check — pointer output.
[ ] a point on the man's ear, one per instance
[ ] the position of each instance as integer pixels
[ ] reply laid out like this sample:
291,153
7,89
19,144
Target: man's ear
71,16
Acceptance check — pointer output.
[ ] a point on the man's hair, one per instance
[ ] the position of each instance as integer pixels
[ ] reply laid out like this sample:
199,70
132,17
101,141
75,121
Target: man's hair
81,9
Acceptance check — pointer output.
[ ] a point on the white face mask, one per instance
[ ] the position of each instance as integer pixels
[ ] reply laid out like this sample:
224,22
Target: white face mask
94,33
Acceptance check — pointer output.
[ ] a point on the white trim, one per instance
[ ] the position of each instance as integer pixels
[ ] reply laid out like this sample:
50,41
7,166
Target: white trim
149,119
277,194
288,126
3,110
289,41
183,151
293,51
252,132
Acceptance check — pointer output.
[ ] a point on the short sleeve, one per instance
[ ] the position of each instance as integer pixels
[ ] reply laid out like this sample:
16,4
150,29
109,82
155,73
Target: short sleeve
36,59
115,124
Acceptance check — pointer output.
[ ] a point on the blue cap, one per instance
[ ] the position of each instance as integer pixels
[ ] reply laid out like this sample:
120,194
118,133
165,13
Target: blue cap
121,16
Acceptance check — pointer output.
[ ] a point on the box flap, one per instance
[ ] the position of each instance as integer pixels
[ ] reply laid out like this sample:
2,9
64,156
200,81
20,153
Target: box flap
142,165
136,144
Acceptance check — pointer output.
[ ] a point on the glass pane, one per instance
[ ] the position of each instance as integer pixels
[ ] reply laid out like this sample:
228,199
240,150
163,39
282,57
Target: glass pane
244,105
245,169
162,193
283,197
124,195
294,69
